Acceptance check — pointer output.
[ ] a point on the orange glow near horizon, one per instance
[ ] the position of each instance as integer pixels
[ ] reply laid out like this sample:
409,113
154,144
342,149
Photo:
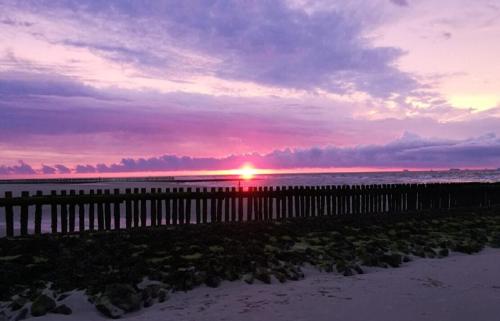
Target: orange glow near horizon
247,172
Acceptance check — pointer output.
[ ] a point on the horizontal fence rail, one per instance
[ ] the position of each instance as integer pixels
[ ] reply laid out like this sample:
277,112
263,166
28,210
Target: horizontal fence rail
98,210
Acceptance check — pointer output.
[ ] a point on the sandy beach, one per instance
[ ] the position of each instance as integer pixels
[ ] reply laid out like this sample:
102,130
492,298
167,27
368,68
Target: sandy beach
460,288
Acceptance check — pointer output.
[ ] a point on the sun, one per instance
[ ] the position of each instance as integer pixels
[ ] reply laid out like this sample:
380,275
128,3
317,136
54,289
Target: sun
247,172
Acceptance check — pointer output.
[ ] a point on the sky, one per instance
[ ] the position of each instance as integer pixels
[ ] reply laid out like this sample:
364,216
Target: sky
94,87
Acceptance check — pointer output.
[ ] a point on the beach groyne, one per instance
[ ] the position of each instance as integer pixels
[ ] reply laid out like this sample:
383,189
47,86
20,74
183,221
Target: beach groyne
74,211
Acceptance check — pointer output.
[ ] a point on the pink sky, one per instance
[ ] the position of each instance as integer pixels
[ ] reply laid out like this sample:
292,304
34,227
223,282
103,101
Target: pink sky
108,87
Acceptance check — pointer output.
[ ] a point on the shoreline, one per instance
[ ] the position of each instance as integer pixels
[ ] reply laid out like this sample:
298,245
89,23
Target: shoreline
112,266
460,287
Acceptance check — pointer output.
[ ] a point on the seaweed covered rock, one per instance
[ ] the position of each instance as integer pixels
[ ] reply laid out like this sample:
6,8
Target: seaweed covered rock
42,305
118,299
62,309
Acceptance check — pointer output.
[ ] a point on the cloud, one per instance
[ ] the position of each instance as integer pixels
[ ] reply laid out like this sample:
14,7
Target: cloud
24,84
410,151
20,169
61,169
267,42
401,3
48,169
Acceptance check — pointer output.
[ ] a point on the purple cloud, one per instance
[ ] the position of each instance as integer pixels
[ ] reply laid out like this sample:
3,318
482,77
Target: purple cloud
21,169
48,169
402,3
409,151
266,42
61,169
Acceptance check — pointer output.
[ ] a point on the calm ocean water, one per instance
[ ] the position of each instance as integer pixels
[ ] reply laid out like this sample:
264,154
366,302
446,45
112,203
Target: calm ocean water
319,179
260,180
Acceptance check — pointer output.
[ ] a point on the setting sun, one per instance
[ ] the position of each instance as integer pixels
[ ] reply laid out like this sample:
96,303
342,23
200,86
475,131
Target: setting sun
247,172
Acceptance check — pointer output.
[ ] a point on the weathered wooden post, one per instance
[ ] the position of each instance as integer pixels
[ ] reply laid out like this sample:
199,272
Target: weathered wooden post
159,206
53,213
168,212
256,201
315,200
24,212
144,199
81,212
289,196
220,199
296,200
278,202
198,206
38,214
265,199
72,211
227,198
100,211
107,210
136,203
240,204
9,216
175,203
205,205
152,209
187,218
64,214
233,204
128,208
116,209
283,197
250,204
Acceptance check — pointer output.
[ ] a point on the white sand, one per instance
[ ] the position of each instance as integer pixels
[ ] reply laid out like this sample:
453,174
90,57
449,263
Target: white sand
458,288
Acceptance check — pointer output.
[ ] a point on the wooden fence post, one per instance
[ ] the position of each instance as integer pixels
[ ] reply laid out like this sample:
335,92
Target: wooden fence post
128,208
187,218
81,213
100,211
205,205
240,204
144,208
175,211
152,209
38,215
227,197
250,204
53,213
168,211
198,206
72,211
24,213
116,210
107,210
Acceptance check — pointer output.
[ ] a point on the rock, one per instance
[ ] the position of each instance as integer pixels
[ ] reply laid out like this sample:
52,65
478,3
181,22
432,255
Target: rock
118,299
394,259
406,259
62,309
248,278
23,314
280,276
104,305
162,295
212,281
348,272
17,302
443,252
262,275
358,269
62,297
42,305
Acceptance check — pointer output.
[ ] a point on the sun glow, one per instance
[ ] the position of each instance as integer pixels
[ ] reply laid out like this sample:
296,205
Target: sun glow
247,172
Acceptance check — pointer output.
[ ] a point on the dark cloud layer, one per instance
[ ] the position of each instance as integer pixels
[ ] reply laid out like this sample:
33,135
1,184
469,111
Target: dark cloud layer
267,42
410,151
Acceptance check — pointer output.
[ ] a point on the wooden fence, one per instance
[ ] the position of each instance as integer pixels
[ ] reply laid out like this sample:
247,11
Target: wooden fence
69,212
